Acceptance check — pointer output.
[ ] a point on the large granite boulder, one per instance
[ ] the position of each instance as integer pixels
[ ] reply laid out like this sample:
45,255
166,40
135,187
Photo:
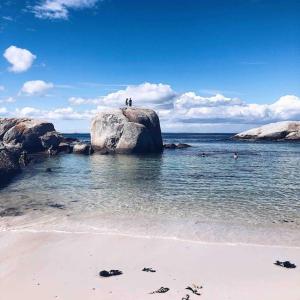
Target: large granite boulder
28,134
8,123
9,165
128,130
287,130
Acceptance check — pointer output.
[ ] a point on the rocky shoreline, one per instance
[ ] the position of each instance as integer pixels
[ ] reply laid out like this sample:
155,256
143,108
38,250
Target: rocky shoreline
126,130
280,131
19,138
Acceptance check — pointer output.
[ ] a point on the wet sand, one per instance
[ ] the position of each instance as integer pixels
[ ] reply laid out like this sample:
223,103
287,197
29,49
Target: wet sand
60,265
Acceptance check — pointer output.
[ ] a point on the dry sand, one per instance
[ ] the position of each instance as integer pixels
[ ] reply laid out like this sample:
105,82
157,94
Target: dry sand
57,265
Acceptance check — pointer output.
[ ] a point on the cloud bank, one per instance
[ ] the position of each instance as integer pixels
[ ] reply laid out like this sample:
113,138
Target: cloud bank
178,112
59,9
20,59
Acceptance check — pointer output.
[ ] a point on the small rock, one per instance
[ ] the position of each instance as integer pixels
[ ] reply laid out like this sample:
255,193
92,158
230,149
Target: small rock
56,205
178,146
149,270
161,290
195,289
182,146
110,273
82,148
170,146
285,264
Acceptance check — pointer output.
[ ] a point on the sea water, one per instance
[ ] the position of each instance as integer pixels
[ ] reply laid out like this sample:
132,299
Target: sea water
179,194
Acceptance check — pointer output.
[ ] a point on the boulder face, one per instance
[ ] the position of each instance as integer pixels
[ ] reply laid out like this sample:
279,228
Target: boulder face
9,165
28,134
288,130
128,130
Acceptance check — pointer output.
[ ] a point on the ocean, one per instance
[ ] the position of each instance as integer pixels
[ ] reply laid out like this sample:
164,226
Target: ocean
176,195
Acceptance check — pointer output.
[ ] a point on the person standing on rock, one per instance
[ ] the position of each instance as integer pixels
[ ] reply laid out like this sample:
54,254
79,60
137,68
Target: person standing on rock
130,102
126,102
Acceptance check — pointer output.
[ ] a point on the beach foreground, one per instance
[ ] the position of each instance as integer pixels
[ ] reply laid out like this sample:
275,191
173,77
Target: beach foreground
62,265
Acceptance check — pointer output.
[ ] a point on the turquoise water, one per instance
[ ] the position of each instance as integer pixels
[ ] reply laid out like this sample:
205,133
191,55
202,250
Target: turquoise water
179,194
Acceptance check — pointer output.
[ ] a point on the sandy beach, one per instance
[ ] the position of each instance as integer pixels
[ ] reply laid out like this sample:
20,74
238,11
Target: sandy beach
62,265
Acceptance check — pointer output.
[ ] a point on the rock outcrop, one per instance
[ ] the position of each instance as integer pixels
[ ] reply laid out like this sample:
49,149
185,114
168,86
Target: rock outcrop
178,146
9,165
128,130
82,148
28,134
287,130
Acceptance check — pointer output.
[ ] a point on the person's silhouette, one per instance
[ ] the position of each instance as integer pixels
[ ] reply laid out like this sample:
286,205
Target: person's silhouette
130,102
126,102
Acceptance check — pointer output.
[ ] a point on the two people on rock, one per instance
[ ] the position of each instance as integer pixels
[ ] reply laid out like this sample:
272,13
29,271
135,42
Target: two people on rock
128,102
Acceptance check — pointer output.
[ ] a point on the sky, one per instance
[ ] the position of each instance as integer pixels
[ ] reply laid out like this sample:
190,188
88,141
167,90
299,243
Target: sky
203,65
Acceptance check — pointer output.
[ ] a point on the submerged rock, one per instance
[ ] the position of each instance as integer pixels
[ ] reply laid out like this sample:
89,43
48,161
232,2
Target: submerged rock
10,212
9,165
178,146
129,130
170,146
183,146
288,130
56,205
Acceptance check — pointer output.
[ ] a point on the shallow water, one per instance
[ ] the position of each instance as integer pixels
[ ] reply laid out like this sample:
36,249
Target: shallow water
179,194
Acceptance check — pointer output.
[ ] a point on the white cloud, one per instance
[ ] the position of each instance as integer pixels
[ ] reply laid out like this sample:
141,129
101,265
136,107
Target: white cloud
80,100
286,108
64,113
8,100
36,87
20,59
3,110
189,110
142,94
190,100
59,9
145,94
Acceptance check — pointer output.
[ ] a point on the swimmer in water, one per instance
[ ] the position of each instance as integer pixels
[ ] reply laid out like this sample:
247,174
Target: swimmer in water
235,155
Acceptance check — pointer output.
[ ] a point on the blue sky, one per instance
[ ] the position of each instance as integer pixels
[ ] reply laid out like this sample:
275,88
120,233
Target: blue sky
204,65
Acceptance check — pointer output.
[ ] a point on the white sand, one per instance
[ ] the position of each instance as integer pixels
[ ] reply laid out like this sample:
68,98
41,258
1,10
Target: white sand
65,266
